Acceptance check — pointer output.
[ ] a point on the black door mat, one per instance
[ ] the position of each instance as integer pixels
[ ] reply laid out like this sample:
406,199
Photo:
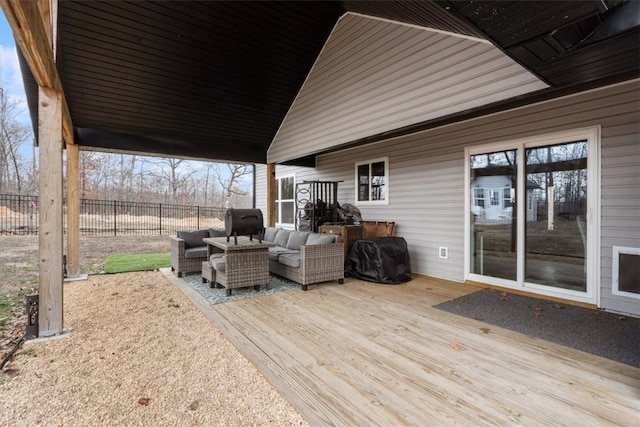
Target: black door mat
605,334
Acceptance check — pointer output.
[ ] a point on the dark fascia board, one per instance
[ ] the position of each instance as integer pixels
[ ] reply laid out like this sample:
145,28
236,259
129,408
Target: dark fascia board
497,107
592,62
126,143
31,92
623,18
307,161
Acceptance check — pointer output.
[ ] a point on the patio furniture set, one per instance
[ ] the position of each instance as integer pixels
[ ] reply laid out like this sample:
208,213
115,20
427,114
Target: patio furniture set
303,257
231,261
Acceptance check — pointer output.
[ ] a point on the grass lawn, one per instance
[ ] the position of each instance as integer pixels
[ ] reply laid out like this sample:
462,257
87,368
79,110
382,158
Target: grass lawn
123,263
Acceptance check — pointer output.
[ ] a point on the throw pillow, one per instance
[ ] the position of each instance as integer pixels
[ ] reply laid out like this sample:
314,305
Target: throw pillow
281,238
217,232
270,233
297,239
320,239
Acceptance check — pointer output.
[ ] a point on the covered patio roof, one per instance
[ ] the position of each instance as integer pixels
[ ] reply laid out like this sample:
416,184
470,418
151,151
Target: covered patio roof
216,80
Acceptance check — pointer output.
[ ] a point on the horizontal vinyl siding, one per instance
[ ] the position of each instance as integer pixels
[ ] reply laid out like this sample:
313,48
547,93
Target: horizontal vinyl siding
261,189
620,183
374,76
427,185
424,199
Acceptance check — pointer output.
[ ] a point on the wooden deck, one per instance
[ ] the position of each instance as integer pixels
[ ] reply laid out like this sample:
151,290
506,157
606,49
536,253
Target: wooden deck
368,354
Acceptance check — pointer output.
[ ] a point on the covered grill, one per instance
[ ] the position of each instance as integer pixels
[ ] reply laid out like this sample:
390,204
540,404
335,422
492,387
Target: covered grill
243,222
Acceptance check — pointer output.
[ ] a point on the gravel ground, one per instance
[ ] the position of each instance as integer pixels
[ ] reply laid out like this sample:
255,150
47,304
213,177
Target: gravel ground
19,272
139,353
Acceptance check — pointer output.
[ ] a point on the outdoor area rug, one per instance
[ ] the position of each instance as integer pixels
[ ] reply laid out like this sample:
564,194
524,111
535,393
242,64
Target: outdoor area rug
604,334
217,296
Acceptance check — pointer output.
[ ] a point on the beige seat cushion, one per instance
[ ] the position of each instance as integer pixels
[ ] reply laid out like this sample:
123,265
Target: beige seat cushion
219,264
197,252
290,259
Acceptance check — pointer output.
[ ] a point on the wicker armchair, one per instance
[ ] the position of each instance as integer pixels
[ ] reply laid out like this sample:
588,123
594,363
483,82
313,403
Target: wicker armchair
188,251
179,262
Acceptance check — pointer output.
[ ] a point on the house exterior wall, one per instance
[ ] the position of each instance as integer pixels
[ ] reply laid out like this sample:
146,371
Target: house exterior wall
620,195
427,185
375,75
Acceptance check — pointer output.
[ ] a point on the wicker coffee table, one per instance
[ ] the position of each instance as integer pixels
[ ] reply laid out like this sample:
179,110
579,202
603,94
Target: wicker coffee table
244,264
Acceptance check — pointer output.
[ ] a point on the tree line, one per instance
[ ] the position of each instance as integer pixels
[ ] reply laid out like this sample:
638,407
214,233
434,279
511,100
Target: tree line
112,176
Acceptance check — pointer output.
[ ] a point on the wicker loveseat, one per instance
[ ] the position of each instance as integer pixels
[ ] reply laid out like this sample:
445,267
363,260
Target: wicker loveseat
188,251
305,257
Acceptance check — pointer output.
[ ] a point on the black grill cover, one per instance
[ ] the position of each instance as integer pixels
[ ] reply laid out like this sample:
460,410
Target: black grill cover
381,260
243,222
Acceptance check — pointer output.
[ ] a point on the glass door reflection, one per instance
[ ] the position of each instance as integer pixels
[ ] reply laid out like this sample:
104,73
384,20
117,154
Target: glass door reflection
555,237
493,178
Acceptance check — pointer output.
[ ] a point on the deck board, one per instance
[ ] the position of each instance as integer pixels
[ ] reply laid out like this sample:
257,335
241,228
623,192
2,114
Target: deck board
369,354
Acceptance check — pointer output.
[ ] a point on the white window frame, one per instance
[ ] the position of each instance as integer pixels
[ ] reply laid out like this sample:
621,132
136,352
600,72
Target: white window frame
592,135
507,197
615,270
476,190
386,182
278,201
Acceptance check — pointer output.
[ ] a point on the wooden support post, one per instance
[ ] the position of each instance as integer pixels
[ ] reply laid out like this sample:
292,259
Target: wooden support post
73,212
271,194
45,14
51,231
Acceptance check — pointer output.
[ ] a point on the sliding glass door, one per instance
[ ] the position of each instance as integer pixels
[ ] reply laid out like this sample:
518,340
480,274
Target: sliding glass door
529,214
493,226
555,239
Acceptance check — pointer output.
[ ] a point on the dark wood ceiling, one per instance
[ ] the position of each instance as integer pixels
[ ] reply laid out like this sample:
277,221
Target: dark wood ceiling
203,79
563,42
215,79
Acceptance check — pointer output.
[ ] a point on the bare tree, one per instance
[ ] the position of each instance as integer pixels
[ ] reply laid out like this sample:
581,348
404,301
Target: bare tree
173,172
102,176
12,136
127,172
152,179
206,183
229,177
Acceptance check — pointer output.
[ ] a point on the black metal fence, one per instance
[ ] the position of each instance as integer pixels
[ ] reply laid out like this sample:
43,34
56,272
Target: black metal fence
19,215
